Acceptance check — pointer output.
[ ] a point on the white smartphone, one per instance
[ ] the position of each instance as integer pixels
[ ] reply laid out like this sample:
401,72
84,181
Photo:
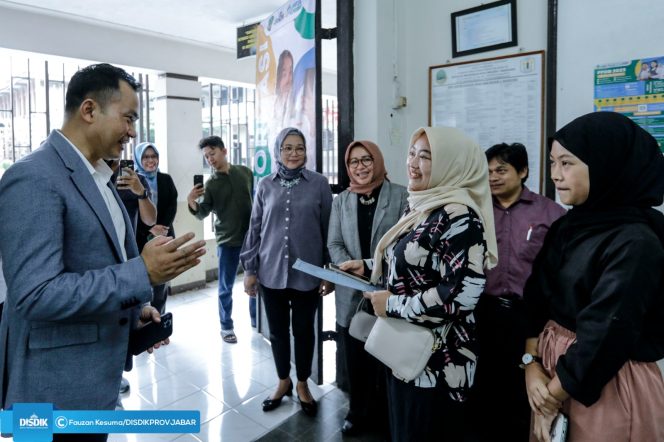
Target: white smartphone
558,431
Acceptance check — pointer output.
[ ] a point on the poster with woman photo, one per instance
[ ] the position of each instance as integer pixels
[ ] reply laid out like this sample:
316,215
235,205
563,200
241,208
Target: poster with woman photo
285,80
634,88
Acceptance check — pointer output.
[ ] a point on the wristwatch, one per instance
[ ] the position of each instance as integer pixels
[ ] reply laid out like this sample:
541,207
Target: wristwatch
529,358
143,195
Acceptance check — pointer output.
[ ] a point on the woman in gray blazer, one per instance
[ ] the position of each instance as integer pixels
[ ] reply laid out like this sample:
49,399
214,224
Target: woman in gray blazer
360,216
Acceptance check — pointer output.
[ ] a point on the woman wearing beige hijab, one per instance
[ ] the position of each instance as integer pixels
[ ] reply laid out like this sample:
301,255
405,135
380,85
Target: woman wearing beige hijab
432,263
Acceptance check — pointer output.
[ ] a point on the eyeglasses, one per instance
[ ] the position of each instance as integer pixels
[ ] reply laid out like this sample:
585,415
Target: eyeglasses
290,149
366,162
150,157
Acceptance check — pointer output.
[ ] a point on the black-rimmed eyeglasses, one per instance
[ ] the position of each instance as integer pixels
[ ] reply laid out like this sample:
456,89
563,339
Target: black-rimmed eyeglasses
366,162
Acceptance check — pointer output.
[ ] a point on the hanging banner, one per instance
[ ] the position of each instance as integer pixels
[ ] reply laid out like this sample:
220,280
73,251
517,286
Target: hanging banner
635,89
285,80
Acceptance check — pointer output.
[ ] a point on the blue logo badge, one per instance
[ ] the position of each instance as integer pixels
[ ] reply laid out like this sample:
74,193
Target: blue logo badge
32,422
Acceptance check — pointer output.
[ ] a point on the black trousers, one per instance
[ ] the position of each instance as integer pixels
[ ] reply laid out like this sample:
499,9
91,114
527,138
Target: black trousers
279,303
499,396
425,414
367,385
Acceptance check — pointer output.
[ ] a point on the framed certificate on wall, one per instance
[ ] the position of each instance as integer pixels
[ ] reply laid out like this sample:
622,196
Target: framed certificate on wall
484,28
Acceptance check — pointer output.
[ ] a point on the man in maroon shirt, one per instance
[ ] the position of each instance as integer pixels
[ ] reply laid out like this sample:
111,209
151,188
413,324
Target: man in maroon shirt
522,219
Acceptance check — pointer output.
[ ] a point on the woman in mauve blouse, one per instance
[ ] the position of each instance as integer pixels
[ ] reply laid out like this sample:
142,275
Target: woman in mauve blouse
289,220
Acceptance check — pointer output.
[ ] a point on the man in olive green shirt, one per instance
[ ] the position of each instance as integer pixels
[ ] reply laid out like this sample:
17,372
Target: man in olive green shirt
228,194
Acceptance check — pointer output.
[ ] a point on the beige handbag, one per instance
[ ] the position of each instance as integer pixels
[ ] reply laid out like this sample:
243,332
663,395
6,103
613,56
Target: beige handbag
402,346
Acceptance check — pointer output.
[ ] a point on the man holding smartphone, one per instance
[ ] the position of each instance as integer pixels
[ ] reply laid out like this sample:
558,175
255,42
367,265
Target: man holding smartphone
77,287
228,194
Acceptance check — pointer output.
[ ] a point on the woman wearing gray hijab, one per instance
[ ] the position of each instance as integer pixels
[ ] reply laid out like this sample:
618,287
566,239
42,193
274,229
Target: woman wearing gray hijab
289,220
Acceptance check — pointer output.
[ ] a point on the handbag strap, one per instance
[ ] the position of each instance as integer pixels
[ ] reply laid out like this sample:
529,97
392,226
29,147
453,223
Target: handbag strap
364,302
360,305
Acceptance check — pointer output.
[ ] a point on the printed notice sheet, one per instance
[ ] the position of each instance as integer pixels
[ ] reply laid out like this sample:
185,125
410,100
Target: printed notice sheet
493,101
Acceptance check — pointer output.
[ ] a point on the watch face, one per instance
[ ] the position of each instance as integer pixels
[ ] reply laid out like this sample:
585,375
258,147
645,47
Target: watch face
527,359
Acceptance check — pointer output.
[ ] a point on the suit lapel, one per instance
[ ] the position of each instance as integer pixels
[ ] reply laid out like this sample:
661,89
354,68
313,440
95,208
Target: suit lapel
85,184
381,208
351,224
130,236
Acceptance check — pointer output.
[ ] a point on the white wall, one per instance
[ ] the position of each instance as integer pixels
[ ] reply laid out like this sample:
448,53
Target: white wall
600,32
418,33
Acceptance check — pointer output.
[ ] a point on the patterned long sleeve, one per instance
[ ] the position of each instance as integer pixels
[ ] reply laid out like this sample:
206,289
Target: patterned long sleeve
435,273
438,271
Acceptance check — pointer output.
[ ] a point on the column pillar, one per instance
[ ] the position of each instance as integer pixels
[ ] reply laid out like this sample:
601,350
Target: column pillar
177,132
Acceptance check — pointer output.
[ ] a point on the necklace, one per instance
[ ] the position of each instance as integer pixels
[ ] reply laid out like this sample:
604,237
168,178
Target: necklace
367,202
289,184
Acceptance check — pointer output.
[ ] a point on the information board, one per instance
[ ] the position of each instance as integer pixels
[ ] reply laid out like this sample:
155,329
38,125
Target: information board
492,101
634,88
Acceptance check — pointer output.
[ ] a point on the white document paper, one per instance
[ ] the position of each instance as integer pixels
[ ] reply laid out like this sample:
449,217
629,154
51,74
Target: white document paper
334,277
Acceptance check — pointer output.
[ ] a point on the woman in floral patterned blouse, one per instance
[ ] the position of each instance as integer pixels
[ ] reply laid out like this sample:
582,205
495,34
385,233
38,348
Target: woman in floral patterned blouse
432,264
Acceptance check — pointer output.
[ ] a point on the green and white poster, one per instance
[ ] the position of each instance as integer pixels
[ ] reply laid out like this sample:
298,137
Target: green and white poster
635,89
285,80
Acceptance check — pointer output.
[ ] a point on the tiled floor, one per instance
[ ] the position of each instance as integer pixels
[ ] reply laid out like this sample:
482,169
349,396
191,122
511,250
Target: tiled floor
325,427
226,382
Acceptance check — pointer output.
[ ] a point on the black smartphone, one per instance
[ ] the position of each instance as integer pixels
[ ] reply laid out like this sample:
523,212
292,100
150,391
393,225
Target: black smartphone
336,268
198,180
145,337
126,164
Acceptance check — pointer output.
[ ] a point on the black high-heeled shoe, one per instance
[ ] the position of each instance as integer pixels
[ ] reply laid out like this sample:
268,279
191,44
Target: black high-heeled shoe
309,408
270,404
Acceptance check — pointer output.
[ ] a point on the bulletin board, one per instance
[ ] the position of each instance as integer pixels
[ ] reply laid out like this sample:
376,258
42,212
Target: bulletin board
494,100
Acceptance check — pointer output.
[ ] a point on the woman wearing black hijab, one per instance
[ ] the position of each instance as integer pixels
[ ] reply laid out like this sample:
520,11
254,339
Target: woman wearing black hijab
596,294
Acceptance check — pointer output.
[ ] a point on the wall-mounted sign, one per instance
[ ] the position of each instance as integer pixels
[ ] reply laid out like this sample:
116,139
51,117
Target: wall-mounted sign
484,28
246,40
635,89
